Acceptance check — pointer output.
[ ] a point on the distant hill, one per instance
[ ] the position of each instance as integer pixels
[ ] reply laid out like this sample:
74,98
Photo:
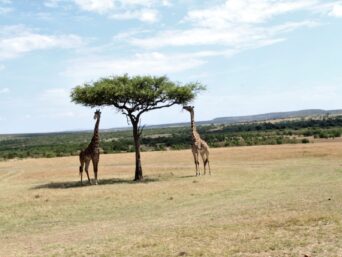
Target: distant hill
273,116
310,113
276,116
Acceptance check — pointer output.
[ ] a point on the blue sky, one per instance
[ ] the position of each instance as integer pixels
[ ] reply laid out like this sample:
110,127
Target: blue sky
255,56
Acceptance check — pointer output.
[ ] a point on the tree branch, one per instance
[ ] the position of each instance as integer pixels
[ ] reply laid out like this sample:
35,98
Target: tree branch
155,108
127,117
140,130
132,117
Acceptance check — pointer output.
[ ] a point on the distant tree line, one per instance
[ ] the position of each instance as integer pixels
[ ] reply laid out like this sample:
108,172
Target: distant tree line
264,133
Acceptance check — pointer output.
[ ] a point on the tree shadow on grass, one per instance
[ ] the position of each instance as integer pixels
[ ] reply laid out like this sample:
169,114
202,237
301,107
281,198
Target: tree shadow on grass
75,184
188,176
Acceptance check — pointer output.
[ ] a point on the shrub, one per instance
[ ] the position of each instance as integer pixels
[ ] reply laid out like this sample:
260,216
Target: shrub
336,133
305,141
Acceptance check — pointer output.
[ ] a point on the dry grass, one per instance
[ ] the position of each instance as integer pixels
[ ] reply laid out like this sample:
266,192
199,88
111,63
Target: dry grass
261,201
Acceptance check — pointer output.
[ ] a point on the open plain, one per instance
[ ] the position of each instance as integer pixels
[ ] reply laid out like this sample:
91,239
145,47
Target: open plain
281,200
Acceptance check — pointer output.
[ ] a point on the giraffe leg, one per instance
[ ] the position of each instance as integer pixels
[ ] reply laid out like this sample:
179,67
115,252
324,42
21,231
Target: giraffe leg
197,166
86,170
209,167
81,171
81,166
208,163
95,166
195,154
205,160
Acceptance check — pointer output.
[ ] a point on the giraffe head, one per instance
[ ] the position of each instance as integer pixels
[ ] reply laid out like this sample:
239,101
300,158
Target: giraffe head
188,108
97,114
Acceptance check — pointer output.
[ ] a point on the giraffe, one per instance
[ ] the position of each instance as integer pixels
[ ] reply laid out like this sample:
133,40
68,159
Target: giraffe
92,152
199,146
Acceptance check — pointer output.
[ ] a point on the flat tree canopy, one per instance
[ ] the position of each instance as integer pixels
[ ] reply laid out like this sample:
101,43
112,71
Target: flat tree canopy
134,96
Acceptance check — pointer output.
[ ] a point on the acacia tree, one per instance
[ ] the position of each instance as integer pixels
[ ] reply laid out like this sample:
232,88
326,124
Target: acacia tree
133,96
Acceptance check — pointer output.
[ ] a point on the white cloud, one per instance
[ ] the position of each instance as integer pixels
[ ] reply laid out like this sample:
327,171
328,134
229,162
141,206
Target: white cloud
146,15
236,24
331,8
17,40
107,5
52,3
129,34
100,6
2,67
5,10
336,10
230,28
4,90
148,63
234,12
236,36
143,10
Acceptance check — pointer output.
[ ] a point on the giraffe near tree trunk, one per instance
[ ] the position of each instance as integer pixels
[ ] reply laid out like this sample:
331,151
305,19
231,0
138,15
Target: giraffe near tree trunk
92,152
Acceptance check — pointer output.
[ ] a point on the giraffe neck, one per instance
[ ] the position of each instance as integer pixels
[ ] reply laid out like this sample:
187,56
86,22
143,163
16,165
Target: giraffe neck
193,127
96,137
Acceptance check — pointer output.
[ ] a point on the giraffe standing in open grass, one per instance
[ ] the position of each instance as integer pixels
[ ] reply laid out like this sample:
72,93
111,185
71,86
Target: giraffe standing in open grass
199,146
92,152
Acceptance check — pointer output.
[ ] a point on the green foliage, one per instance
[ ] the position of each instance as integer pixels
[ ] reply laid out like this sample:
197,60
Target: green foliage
305,141
135,94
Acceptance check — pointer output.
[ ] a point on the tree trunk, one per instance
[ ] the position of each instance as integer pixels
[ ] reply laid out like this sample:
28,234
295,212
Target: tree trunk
138,169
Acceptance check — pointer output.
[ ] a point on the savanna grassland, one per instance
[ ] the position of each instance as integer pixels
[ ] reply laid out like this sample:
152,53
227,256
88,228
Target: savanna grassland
280,200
